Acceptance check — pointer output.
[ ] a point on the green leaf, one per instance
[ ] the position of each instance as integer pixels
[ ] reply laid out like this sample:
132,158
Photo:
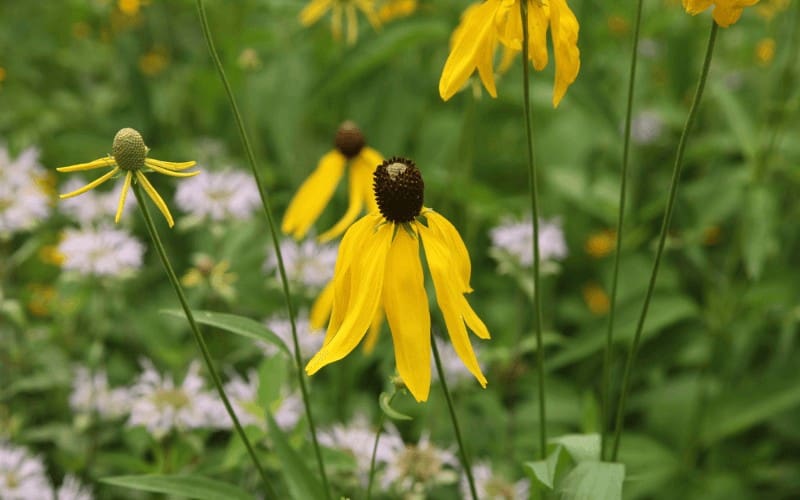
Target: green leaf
593,481
233,323
581,447
544,471
759,241
198,487
390,412
301,482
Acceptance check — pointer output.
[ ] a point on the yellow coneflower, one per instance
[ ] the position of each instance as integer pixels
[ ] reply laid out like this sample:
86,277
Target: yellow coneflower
379,268
312,197
317,8
129,155
485,25
726,12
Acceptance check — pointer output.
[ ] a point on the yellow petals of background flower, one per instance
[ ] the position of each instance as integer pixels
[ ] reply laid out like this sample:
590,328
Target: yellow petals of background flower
316,191
379,268
726,12
130,156
483,25
317,8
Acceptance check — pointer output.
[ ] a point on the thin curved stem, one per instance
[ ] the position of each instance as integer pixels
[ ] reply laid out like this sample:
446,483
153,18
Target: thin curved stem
381,420
274,234
464,460
673,191
533,188
623,188
201,343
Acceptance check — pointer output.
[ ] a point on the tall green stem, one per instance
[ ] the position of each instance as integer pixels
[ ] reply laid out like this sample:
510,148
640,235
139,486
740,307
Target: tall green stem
375,448
462,450
532,187
673,191
173,279
274,234
623,188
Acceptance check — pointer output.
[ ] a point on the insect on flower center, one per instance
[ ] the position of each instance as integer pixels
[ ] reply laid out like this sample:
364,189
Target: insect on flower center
129,150
399,189
349,139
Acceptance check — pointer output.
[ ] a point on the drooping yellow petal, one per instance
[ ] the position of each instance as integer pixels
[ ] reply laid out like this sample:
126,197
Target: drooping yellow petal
564,31
374,331
728,12
455,244
367,271
159,202
368,8
451,301
477,29
313,11
100,162
352,24
92,184
406,306
695,7
171,173
313,195
321,308
366,162
355,192
126,185
348,251
170,165
336,21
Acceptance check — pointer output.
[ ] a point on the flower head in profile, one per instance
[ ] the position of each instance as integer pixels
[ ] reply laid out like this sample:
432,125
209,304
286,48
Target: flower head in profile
725,13
483,26
129,156
315,192
379,267
312,13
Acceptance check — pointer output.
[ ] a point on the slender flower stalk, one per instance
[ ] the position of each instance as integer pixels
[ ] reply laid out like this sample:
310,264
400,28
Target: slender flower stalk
532,186
375,448
673,191
273,233
464,460
173,278
606,381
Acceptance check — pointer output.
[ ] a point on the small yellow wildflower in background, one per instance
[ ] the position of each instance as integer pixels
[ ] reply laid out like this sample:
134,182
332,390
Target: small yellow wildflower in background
379,267
485,25
596,299
131,7
249,59
317,8
598,245
129,155
42,298
765,51
395,9
153,62
312,197
770,8
726,12
49,254
618,25
206,272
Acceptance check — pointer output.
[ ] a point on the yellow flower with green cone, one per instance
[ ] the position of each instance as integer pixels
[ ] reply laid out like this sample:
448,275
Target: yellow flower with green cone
483,26
129,155
379,268
310,200
725,13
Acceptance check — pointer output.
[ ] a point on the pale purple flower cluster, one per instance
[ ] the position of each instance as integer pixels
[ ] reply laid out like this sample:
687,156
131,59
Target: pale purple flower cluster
23,477
307,263
24,201
515,239
219,196
491,486
103,251
310,340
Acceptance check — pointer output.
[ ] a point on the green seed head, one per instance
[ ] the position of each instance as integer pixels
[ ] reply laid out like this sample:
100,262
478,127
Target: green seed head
129,150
